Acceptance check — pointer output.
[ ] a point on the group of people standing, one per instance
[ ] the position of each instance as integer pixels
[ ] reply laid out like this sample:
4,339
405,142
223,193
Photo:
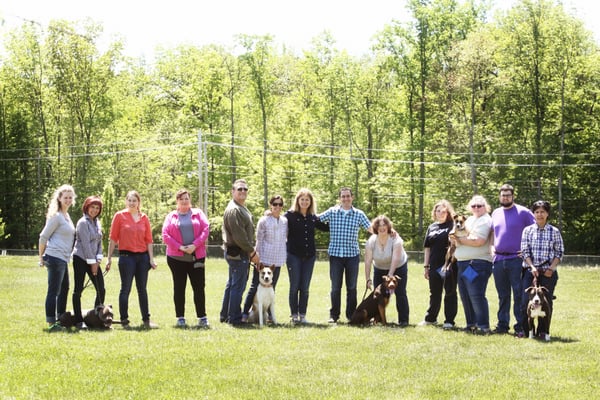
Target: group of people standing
515,245
290,239
185,231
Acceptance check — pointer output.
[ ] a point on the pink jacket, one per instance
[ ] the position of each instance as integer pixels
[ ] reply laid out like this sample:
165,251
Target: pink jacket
171,234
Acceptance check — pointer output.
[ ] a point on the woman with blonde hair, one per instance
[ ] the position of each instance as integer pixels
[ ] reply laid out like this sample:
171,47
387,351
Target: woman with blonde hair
474,256
55,247
301,250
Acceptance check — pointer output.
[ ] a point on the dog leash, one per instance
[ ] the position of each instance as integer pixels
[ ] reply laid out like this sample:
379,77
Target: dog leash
89,281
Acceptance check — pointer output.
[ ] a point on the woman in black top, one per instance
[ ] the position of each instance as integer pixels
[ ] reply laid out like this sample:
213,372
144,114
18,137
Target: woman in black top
301,251
435,247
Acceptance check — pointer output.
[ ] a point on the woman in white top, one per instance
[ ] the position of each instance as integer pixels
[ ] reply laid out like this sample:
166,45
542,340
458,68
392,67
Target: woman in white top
271,235
475,265
385,251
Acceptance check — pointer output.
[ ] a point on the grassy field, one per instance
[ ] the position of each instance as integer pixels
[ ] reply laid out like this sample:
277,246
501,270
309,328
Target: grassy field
318,361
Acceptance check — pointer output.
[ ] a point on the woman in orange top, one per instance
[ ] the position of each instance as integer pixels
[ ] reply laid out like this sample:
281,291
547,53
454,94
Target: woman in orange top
130,230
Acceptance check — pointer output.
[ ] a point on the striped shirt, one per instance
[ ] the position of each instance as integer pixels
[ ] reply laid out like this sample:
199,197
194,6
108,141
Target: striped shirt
343,229
271,236
542,245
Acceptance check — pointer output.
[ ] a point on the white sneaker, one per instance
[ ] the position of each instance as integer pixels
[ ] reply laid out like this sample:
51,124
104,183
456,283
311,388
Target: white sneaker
425,323
303,319
448,325
203,323
181,322
295,318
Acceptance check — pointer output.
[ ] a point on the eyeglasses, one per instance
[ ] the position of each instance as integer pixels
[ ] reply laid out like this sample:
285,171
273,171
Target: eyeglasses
277,204
242,189
477,206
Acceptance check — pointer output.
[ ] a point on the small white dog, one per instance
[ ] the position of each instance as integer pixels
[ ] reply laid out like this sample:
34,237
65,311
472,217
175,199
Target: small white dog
264,300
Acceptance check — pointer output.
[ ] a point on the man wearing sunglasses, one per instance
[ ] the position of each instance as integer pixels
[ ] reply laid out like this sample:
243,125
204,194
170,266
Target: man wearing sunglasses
238,240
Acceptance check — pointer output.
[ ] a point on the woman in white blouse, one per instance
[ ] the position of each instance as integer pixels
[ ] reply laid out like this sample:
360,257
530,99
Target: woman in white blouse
385,252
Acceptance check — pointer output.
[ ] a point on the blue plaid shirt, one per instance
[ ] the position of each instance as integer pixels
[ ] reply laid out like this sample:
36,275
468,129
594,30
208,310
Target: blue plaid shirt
343,230
542,245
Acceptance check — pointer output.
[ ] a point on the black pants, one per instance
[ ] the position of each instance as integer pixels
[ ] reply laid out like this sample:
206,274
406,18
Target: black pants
181,270
437,286
80,269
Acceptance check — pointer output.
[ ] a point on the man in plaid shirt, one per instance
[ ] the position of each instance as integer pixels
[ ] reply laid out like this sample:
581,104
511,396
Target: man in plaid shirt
344,254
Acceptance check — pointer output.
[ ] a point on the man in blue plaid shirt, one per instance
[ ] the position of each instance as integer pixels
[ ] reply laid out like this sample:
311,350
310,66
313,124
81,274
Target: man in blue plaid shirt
344,254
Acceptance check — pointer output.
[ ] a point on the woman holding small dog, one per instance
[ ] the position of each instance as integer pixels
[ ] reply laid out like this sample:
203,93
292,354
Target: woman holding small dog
130,230
435,247
87,256
55,247
542,249
474,256
271,234
386,254
185,232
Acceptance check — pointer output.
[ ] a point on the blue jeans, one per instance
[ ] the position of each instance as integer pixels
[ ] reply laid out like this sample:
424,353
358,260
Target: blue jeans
548,283
254,287
337,267
300,270
80,269
400,292
134,265
231,309
472,293
507,277
58,287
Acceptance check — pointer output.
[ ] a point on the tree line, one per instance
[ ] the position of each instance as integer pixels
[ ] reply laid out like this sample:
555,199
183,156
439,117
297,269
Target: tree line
446,105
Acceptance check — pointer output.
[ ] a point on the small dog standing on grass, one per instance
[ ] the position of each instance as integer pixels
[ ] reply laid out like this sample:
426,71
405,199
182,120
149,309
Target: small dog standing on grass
264,300
373,307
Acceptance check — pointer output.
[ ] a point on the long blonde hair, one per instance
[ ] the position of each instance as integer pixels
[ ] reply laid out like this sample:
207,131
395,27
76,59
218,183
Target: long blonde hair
312,209
55,205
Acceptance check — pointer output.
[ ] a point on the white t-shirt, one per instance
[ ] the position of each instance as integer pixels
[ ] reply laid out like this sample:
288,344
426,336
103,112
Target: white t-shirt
382,258
481,228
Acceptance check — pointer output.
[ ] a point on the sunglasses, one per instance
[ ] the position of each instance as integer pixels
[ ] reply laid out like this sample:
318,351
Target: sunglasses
477,205
277,204
242,189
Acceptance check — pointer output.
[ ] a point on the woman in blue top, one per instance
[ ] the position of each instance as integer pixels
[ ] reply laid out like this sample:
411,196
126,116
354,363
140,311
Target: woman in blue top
55,247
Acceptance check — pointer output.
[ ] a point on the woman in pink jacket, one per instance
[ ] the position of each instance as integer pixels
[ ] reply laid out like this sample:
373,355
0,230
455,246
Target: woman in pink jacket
185,232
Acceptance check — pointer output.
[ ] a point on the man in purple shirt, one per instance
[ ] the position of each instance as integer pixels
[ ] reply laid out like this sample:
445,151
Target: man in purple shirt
508,222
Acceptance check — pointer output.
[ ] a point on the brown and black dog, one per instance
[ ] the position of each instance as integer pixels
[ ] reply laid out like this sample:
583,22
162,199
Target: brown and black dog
539,312
373,307
458,230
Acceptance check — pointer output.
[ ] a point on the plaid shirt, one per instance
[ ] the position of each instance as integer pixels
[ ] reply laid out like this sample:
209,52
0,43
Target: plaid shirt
542,245
271,236
343,230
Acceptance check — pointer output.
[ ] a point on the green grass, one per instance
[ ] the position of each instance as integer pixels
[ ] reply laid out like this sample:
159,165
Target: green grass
286,362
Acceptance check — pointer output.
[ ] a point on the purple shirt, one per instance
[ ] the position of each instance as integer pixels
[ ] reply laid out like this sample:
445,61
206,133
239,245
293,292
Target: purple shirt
508,225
